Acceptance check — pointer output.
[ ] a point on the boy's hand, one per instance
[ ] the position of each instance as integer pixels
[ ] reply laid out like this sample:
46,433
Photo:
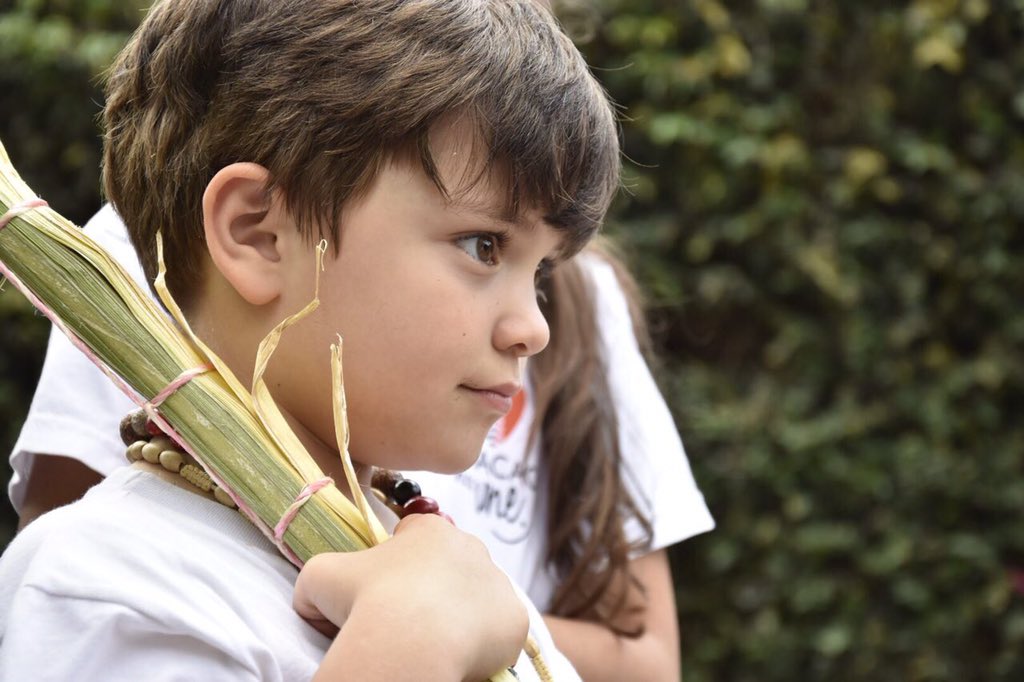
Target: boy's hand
427,604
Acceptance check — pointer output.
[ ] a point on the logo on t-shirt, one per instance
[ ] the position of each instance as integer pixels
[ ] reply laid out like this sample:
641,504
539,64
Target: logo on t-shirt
507,424
503,482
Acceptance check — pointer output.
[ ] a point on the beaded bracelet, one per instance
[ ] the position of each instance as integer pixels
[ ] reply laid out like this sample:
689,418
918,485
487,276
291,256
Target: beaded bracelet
145,441
403,495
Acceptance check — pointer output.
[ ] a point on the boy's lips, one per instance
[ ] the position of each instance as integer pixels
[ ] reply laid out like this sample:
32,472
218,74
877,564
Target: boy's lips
499,397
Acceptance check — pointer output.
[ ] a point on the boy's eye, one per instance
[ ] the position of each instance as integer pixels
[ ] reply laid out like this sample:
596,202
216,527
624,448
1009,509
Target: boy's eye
483,247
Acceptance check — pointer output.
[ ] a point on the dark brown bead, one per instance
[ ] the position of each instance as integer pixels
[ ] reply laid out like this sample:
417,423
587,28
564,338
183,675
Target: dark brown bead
128,435
384,480
139,420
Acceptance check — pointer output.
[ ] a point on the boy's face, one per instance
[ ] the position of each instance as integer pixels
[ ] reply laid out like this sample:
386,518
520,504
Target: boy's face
437,313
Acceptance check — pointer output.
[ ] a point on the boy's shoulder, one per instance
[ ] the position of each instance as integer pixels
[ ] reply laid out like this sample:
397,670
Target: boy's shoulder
137,553
135,527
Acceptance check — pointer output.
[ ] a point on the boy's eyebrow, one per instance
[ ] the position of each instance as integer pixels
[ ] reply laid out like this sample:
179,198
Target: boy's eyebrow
492,213
483,209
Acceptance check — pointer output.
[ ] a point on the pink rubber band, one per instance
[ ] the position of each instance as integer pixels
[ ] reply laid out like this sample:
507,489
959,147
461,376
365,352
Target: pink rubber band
19,208
307,492
168,390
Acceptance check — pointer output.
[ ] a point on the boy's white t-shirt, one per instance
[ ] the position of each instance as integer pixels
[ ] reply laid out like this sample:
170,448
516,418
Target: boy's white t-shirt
141,580
76,410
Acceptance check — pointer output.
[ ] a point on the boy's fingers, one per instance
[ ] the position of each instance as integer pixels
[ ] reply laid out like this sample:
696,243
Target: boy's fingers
324,627
324,590
409,521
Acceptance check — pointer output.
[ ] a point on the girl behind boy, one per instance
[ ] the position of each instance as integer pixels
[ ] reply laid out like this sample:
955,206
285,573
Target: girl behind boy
591,445
408,150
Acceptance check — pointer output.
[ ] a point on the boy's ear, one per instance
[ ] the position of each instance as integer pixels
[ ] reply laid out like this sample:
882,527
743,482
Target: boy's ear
242,227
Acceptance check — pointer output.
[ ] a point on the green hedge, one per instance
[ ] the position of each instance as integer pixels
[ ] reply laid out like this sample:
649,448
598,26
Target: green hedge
824,201
826,207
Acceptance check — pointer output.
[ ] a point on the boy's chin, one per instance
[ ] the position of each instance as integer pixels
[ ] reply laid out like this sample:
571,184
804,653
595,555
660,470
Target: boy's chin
452,459
448,460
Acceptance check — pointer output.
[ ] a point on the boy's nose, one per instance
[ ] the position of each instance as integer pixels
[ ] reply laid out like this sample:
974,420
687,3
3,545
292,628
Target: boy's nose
521,327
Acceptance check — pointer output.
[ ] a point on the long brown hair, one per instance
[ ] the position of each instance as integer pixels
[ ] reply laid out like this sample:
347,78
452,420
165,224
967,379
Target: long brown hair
589,504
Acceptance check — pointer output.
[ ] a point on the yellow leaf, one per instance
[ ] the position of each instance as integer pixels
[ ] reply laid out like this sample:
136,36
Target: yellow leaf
864,164
733,56
938,50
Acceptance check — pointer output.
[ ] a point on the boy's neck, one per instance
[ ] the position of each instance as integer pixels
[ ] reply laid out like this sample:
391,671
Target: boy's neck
328,458
227,326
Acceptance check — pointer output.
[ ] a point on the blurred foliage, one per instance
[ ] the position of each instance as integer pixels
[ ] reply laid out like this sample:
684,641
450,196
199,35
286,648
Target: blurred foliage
52,54
822,207
825,207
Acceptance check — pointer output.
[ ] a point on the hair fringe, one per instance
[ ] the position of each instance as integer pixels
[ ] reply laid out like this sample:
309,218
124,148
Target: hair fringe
324,93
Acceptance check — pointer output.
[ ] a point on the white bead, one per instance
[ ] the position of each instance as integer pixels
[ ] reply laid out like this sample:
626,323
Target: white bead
134,452
151,452
223,497
171,460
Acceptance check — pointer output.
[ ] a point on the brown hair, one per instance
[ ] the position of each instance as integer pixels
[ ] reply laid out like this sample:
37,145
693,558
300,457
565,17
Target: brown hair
323,93
588,502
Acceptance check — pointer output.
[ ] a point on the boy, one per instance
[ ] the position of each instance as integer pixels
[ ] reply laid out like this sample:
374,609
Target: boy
447,150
